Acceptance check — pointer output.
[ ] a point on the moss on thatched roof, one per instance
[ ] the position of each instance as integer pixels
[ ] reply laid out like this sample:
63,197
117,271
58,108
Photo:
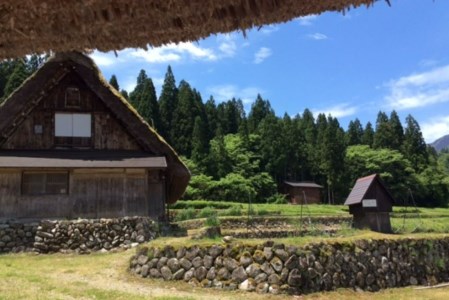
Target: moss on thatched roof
36,26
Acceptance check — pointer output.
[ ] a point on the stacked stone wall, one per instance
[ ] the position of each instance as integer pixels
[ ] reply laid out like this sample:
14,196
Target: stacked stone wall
277,268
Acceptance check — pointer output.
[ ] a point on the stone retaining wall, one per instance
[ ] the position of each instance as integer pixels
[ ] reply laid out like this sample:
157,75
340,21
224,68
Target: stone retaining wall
80,236
276,268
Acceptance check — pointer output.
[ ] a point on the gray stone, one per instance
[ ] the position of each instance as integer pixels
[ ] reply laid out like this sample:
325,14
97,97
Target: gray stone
294,278
208,261
211,274
162,262
274,289
144,271
180,253
239,275
360,279
274,279
284,274
311,273
173,264
153,263
192,252
200,273
277,264
318,267
230,263
185,263
189,274
246,259
282,254
223,274
262,288
259,257
266,267
178,275
140,239
228,239
215,250
142,259
327,280
197,262
166,273
248,285
370,279
413,280
253,270
45,235
6,238
268,253
292,262
262,277
154,273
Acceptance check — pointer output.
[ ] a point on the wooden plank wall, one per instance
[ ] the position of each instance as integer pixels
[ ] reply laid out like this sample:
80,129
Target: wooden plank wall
100,193
107,131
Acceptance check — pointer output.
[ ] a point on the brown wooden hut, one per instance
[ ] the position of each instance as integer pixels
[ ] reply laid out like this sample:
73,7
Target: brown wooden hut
295,192
72,146
370,203
30,26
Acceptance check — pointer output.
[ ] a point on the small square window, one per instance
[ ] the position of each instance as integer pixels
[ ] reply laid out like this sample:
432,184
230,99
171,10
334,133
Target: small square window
72,97
38,129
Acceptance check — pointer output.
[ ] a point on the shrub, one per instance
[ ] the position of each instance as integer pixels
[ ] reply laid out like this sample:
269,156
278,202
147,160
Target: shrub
212,221
277,199
185,214
206,212
235,210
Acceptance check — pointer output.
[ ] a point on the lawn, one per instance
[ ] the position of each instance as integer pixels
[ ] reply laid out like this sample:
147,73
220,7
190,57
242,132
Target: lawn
104,276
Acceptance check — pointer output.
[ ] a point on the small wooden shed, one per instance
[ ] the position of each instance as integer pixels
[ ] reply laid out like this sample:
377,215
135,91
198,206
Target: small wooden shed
296,191
370,203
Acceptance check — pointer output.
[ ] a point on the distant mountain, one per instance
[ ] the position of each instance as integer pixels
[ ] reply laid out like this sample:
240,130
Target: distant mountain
441,143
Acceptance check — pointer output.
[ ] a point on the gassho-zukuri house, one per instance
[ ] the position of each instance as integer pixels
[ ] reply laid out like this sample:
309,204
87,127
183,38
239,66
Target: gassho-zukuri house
72,147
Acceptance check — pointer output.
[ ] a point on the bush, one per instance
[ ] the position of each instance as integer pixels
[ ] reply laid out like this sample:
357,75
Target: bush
212,221
277,199
206,212
235,210
186,214
200,204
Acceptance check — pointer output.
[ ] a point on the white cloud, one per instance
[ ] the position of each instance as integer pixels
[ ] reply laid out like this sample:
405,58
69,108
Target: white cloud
269,29
227,45
419,89
262,54
337,111
175,52
307,20
103,59
435,128
317,36
228,91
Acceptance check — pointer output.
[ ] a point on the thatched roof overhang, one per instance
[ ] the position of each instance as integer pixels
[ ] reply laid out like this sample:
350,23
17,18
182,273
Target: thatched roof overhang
37,26
24,99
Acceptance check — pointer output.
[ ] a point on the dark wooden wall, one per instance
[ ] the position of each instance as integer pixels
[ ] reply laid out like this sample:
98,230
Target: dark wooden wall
98,193
296,195
107,131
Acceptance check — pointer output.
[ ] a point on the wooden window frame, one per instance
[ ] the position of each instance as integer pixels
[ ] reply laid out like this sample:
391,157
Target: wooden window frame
78,101
46,183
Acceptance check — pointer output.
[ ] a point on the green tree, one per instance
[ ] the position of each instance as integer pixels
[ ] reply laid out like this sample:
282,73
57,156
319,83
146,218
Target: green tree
167,104
368,135
382,136
260,109
414,146
200,142
355,133
183,120
396,131
113,81
212,118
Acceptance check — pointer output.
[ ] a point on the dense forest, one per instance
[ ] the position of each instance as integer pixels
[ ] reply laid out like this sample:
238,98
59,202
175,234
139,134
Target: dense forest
234,156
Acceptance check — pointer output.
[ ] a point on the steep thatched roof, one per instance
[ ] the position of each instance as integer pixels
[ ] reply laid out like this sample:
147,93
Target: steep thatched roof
19,104
28,26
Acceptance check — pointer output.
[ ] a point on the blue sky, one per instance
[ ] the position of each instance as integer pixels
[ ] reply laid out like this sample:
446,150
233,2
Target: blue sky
350,65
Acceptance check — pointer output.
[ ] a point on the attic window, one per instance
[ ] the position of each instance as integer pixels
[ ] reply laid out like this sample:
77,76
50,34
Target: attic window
45,183
72,97
73,125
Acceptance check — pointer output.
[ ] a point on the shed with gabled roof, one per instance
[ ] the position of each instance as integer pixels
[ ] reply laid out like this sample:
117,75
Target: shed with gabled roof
303,192
370,203
71,146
